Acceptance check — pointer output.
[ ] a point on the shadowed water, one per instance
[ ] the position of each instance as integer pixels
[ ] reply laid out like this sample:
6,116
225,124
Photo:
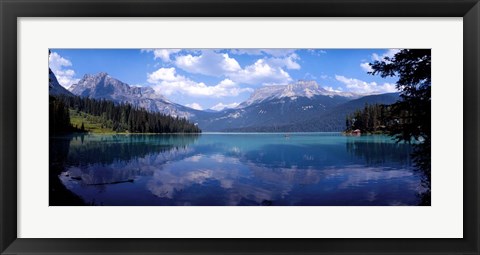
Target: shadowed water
236,169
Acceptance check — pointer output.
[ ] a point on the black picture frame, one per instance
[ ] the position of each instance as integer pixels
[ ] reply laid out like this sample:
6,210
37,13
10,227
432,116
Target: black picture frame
10,10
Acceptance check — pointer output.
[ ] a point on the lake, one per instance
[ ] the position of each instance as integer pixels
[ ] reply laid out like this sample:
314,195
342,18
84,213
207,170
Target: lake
246,169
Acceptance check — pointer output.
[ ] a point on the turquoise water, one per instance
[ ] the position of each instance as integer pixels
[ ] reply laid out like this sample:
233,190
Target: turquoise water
237,169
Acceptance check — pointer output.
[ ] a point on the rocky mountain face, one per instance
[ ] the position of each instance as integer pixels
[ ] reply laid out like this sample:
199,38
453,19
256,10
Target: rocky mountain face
103,86
307,89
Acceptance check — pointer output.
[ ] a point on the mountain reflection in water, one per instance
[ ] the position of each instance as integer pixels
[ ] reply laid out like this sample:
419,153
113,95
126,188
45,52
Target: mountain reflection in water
236,169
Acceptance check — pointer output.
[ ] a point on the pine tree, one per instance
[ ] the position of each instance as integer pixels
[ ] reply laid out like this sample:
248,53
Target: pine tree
412,114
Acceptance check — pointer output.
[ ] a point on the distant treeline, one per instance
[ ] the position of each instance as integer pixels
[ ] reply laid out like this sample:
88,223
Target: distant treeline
324,125
372,118
120,117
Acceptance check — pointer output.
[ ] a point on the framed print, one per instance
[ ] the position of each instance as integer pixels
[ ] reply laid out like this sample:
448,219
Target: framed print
230,127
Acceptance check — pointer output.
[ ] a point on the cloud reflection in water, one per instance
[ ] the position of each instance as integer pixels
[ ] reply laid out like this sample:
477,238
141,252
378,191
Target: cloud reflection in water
247,170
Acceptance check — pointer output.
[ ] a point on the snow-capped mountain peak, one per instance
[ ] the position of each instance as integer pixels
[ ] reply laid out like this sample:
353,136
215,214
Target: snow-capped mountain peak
301,88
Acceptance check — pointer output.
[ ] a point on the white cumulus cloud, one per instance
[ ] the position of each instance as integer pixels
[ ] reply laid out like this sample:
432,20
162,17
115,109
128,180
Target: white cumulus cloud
363,87
366,67
163,54
163,74
376,57
221,106
331,89
266,70
288,62
60,67
208,63
261,72
167,82
195,106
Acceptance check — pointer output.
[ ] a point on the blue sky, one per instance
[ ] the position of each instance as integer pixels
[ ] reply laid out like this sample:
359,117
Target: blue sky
206,78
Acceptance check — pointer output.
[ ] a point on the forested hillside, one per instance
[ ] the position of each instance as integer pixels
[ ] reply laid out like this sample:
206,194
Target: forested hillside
117,117
332,120
373,118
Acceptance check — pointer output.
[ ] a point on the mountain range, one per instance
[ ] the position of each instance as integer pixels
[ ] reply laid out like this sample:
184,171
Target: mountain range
103,86
298,107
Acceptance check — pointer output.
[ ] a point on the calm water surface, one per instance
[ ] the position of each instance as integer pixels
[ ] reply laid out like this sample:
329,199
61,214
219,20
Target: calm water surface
237,169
